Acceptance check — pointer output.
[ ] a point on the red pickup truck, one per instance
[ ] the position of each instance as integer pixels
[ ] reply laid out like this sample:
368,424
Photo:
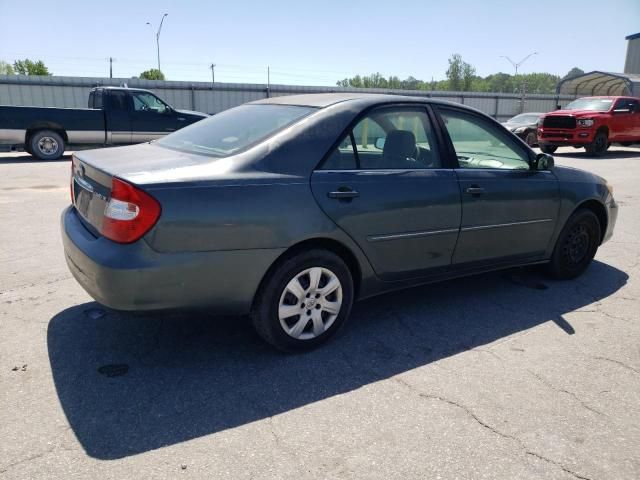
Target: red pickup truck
591,122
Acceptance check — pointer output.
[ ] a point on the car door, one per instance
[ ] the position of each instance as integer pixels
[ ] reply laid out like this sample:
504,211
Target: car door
151,118
509,211
623,120
387,185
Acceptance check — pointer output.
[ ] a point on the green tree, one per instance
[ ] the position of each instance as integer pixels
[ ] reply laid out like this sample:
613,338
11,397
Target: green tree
468,74
454,72
152,74
6,68
29,67
574,72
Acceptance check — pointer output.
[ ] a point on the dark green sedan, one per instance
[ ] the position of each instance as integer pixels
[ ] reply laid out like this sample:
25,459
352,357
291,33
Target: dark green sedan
290,208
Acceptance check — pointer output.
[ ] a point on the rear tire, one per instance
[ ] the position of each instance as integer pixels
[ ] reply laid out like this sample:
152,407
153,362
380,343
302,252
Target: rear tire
576,246
46,145
303,301
599,145
548,148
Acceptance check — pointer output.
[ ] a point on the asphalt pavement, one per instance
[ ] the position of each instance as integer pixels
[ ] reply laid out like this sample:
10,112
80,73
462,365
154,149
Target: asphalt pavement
507,375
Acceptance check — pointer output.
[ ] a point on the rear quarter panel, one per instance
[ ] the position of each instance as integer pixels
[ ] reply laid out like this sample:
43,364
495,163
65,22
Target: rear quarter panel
269,213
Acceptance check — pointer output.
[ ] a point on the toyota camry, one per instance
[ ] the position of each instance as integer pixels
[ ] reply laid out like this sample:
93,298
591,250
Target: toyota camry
290,208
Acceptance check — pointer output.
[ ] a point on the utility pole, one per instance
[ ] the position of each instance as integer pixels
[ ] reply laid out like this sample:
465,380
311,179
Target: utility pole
158,37
110,67
213,74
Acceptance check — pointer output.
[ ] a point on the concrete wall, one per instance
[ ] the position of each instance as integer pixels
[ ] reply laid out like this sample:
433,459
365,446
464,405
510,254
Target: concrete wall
73,92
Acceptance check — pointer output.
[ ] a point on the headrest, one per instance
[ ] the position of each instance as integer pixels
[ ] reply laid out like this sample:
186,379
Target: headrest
399,143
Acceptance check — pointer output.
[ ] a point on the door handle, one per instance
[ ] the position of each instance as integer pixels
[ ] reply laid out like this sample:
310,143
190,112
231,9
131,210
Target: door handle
474,190
343,194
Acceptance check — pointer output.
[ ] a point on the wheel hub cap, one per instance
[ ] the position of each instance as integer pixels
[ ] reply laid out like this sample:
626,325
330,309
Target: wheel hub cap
310,303
47,145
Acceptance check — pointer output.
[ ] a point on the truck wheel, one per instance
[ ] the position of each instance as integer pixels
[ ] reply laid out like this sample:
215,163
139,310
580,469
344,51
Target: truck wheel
531,139
599,145
548,148
46,145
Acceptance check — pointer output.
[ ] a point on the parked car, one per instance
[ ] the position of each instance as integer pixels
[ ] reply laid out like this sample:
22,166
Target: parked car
524,126
592,123
290,208
116,116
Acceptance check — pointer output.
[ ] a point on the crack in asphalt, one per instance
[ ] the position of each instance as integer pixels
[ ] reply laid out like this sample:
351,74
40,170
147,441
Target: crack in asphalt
551,386
48,451
618,362
559,465
29,285
491,428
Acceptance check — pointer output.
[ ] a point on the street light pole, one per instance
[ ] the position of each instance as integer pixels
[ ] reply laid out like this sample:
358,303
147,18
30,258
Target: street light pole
158,37
524,85
213,74
517,64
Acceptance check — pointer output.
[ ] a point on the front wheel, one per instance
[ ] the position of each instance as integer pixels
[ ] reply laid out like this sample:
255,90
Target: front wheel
548,148
303,301
576,245
46,145
531,139
599,145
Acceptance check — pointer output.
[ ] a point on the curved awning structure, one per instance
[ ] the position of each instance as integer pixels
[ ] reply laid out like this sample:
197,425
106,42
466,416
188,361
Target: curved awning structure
600,84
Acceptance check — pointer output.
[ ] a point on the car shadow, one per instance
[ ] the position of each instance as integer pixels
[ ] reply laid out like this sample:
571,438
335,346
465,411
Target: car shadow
130,383
26,158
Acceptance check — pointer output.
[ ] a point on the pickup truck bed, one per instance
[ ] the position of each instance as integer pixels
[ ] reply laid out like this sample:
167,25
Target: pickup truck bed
116,116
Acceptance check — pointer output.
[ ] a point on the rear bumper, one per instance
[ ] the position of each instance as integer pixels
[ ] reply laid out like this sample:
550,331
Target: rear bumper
135,277
565,137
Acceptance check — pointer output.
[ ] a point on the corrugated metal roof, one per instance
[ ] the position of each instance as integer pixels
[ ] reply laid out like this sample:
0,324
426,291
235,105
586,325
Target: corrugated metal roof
598,83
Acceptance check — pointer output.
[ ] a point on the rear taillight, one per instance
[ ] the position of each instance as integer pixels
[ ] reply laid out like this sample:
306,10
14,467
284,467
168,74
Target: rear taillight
129,214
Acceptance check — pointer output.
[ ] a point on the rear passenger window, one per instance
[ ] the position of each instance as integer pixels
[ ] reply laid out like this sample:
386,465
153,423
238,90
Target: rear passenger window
118,100
97,99
389,139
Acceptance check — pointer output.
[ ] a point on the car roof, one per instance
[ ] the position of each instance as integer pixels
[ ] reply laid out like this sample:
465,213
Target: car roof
122,88
322,100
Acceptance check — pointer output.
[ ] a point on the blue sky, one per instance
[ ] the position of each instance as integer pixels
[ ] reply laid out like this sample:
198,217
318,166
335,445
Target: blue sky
316,42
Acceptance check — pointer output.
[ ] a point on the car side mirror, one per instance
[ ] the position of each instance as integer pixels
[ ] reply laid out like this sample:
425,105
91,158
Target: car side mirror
543,161
379,143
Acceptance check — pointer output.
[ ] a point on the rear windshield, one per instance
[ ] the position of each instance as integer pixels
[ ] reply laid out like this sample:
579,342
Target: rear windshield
235,129
594,104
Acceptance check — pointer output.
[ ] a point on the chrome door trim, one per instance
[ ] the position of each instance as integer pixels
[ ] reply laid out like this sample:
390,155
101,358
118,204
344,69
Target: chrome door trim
397,236
500,225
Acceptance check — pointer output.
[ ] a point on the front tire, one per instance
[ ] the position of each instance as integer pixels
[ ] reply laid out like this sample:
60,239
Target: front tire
531,139
599,145
46,145
548,148
576,246
304,301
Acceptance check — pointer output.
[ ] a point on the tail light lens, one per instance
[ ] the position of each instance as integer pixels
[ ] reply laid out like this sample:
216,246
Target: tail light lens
130,213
